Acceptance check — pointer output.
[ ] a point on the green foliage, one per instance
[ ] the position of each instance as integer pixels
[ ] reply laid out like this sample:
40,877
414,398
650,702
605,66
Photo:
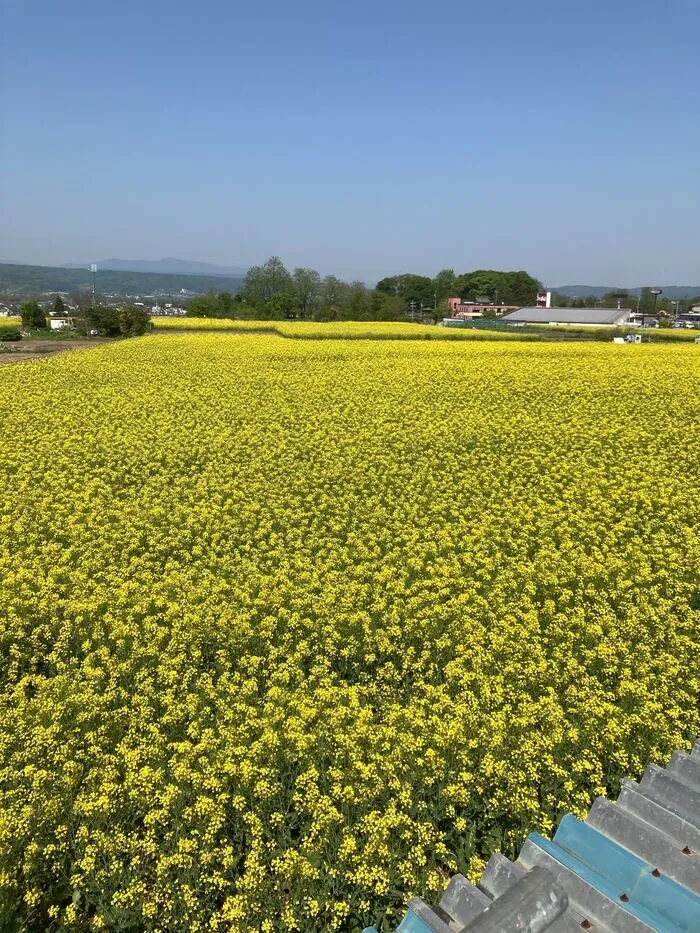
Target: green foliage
134,321
444,284
646,301
32,314
412,289
224,304
103,319
9,333
203,306
307,291
128,321
509,288
282,304
59,307
264,282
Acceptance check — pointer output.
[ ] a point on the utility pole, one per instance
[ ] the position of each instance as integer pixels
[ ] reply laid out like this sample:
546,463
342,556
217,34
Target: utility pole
93,269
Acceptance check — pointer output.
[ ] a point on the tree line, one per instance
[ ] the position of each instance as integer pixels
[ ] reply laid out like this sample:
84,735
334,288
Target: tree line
643,302
271,291
128,321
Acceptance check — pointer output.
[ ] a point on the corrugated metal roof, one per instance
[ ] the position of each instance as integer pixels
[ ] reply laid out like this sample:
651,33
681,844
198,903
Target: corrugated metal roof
567,315
631,867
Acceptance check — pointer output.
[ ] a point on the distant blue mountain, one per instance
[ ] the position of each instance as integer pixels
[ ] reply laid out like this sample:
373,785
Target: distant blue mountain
168,266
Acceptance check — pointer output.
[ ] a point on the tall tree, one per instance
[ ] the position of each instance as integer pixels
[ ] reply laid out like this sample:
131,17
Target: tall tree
414,289
384,307
134,321
262,282
356,305
282,304
522,289
444,284
646,301
333,296
224,304
32,314
510,288
306,285
482,283
203,306
59,308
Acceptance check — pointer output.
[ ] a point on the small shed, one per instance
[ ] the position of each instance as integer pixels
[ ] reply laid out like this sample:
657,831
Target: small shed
60,323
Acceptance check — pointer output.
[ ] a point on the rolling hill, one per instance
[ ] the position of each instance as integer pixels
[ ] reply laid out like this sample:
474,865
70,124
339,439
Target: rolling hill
16,279
168,266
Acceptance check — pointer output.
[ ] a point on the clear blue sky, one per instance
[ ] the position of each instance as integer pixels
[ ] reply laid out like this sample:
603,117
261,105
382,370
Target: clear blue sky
361,138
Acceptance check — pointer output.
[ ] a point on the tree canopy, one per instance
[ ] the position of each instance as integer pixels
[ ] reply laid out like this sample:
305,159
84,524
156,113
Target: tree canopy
508,288
32,314
271,291
59,308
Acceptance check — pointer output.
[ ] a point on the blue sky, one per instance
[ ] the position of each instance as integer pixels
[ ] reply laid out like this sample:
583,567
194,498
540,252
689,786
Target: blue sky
360,138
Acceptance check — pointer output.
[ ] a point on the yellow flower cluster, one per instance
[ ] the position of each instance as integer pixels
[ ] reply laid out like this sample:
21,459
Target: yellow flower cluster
345,330
293,630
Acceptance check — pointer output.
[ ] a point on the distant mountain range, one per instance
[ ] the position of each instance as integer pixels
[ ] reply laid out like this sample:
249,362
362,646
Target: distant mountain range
597,291
170,276
21,280
168,266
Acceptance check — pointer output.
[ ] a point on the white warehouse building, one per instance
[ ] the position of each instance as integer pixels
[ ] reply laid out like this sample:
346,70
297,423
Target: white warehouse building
588,317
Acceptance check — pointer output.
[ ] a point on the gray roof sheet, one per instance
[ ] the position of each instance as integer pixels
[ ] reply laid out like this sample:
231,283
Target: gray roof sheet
566,315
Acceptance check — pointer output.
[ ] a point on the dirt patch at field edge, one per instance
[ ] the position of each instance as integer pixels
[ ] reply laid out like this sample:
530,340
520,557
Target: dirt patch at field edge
25,350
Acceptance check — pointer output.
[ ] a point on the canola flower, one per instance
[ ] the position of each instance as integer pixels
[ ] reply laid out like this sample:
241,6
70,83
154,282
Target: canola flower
341,330
292,630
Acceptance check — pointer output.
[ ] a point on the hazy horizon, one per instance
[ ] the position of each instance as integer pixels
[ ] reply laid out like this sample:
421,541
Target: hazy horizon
363,141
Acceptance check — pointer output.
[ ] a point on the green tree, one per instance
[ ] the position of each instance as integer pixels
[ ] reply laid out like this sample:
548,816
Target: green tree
509,288
306,284
414,289
224,304
262,282
333,295
444,284
282,304
104,320
520,288
356,306
59,308
383,307
32,314
483,283
134,321
646,301
203,306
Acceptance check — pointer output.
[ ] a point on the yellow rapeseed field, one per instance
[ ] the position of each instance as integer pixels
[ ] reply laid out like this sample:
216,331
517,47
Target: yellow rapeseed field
292,630
346,330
